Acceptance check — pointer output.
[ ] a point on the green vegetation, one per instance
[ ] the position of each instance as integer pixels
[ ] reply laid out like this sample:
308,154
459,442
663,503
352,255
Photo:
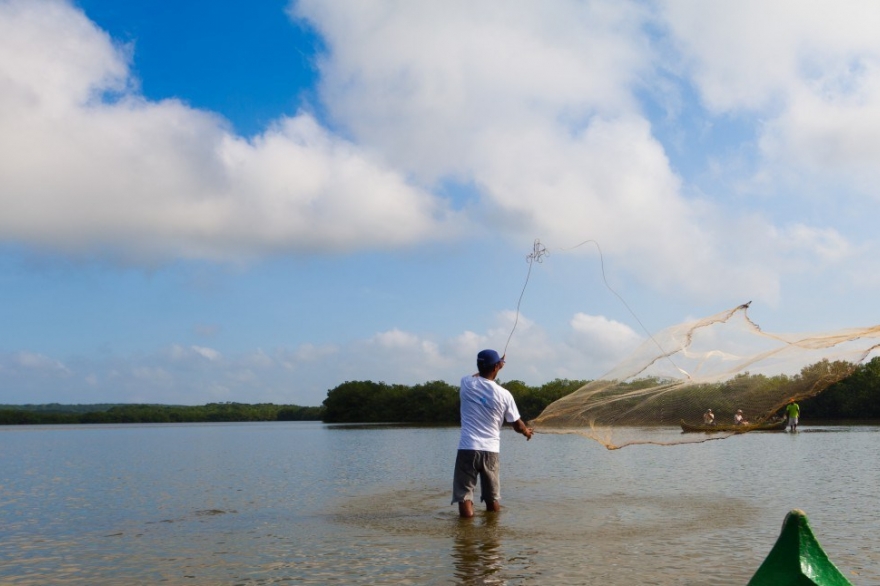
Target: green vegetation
139,413
59,408
370,402
433,402
531,401
350,402
856,397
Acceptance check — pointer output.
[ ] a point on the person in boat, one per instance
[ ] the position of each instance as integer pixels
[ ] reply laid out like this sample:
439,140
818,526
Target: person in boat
793,411
708,417
738,418
485,406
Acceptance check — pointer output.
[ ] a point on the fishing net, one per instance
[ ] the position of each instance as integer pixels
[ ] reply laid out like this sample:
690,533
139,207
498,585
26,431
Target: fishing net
723,362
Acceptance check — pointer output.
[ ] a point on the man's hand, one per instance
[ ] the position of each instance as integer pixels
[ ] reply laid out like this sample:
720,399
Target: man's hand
521,427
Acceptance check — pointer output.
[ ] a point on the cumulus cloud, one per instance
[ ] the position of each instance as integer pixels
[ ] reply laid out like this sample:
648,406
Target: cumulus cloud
89,166
538,106
831,126
455,72
599,334
411,357
812,71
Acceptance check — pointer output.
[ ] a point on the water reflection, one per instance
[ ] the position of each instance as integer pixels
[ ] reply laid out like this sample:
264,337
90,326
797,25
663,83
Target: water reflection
476,551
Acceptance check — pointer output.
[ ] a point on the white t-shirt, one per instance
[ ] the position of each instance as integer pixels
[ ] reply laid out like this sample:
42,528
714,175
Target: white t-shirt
485,406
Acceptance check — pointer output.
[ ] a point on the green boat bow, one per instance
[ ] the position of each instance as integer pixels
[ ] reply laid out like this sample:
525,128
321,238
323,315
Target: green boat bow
797,559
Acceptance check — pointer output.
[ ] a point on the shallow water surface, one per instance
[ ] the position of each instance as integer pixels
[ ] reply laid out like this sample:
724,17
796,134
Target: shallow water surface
270,503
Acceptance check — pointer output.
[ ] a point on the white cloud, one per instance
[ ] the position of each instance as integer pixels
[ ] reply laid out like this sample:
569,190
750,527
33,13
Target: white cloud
395,339
86,174
536,104
612,337
831,124
811,70
827,245
208,353
429,82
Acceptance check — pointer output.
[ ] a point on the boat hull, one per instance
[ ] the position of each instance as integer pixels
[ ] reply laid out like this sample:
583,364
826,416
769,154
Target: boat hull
797,559
725,428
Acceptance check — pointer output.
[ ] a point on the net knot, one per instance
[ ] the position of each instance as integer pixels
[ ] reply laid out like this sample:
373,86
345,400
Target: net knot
539,251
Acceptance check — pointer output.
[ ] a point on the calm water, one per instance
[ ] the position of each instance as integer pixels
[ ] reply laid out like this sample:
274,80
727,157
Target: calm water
306,503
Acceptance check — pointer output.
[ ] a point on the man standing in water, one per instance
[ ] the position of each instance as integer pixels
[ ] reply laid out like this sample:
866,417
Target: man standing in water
793,410
485,406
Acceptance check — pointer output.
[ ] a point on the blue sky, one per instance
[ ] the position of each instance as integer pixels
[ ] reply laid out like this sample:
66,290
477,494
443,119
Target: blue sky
237,201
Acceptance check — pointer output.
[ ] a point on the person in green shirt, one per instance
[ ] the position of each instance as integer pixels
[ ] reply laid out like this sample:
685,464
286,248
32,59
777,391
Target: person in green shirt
793,411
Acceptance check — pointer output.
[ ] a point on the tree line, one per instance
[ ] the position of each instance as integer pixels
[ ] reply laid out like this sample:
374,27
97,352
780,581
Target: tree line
351,402
145,413
431,402
856,397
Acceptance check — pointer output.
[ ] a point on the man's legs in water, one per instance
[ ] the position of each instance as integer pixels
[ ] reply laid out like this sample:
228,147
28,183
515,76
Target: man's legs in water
466,508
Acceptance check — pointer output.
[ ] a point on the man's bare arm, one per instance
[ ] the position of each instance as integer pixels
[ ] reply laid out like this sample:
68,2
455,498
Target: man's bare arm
520,427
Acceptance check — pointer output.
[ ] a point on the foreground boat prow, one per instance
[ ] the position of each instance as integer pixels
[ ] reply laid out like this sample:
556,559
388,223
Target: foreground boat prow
797,559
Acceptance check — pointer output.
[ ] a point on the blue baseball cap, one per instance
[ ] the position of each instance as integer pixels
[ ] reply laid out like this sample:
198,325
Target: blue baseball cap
487,358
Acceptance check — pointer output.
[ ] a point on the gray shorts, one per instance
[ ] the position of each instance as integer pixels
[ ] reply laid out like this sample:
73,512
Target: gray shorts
469,464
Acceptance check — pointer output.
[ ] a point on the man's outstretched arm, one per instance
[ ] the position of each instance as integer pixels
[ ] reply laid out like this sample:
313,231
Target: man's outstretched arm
520,427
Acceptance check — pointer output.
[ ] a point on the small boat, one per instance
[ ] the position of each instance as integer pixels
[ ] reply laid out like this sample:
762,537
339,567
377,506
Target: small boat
731,428
797,559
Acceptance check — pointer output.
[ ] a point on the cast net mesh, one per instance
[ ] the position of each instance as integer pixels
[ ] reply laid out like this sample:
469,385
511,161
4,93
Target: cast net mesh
723,362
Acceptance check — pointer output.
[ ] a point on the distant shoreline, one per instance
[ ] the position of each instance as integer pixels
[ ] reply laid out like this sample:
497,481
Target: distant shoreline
121,413
56,413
